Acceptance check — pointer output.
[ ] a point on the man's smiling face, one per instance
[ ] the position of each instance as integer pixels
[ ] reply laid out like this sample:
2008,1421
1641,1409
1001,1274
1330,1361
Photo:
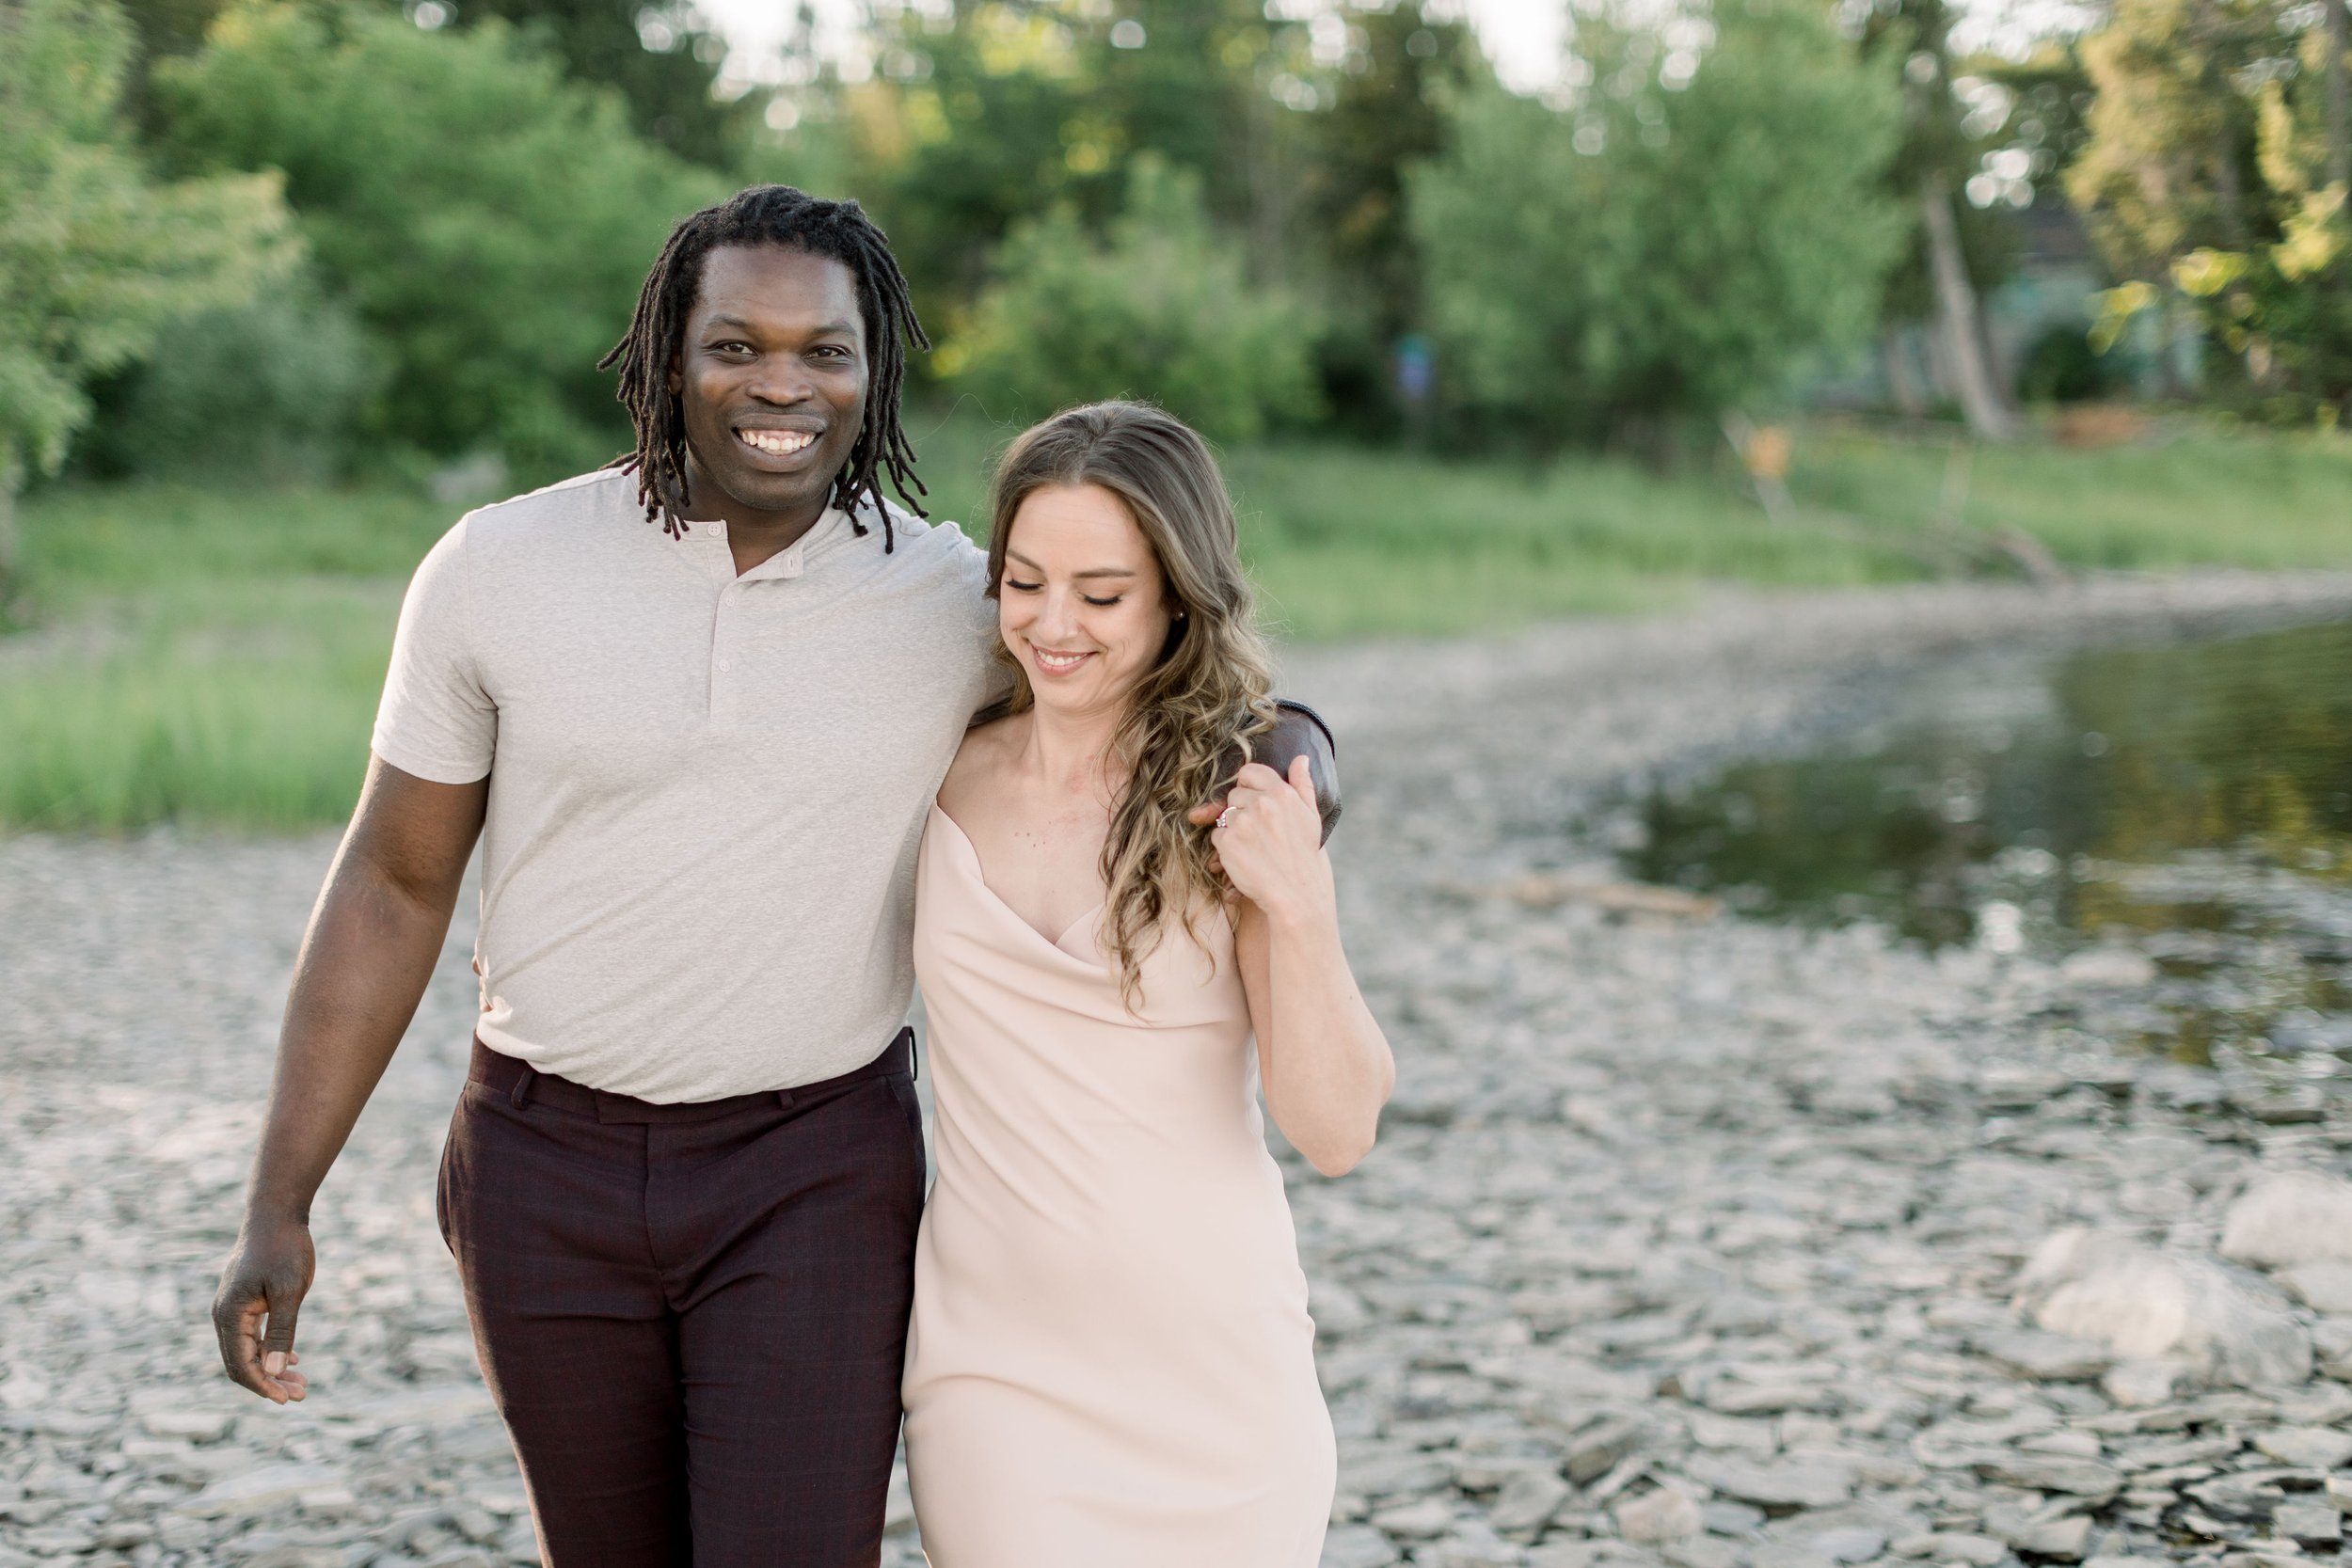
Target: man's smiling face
771,380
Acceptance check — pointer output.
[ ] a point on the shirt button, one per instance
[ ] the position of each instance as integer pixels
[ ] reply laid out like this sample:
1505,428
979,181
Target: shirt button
726,664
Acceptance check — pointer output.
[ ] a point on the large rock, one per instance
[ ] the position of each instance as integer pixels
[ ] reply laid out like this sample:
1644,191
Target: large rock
2290,1217
263,1491
2043,1472
1660,1515
1786,1484
2146,1305
2308,1447
2324,1287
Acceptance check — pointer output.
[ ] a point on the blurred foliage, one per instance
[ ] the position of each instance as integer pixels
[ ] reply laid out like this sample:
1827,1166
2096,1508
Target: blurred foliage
1716,196
660,56
991,111
268,391
2060,366
2214,176
1161,309
1948,135
95,254
1706,214
1385,116
488,218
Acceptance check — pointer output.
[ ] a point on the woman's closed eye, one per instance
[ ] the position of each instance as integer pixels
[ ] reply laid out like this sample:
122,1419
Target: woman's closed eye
1017,586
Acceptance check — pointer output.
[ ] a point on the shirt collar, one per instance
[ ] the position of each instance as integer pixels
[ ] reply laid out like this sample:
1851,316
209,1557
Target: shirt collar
790,561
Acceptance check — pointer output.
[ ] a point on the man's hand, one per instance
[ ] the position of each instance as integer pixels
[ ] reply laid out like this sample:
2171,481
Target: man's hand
365,960
261,1295
1296,732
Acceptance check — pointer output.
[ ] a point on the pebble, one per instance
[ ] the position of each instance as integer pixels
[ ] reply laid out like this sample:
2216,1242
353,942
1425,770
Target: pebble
1678,1217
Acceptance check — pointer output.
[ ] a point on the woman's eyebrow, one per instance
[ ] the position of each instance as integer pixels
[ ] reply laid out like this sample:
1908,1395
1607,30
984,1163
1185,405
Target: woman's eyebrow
1091,572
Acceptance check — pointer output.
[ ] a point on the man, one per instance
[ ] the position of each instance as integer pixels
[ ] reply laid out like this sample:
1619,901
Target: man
695,706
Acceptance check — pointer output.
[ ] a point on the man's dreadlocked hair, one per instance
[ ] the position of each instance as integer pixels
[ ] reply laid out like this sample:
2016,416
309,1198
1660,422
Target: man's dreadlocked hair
789,219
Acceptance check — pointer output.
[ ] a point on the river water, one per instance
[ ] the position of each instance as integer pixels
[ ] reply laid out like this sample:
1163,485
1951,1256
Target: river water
2177,816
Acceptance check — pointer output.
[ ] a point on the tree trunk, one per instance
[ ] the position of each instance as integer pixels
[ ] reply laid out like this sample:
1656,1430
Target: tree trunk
2229,189
1956,317
2339,110
11,476
1269,217
1903,385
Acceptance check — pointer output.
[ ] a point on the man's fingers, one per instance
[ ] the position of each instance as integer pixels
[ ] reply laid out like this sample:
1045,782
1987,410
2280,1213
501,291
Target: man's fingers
278,1344
239,1328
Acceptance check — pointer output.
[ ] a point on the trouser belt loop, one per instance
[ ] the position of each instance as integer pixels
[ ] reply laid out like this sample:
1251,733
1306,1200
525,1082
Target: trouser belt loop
520,1095
915,1057
784,1099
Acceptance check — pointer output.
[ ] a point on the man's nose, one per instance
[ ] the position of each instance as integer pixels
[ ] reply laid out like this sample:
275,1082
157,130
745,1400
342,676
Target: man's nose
781,378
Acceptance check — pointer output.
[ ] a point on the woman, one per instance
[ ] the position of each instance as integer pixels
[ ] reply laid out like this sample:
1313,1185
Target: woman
1111,1361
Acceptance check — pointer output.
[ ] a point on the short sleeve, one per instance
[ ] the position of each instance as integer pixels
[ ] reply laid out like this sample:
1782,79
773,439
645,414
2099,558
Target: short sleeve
437,720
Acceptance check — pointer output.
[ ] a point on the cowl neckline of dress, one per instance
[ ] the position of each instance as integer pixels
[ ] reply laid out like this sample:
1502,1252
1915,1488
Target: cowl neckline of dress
1083,925
1189,979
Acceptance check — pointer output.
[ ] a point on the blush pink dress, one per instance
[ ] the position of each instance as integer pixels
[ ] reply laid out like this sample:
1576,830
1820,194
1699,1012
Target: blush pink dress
1111,1364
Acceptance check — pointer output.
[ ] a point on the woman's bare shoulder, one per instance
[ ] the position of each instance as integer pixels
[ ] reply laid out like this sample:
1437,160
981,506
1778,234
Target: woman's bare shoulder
979,761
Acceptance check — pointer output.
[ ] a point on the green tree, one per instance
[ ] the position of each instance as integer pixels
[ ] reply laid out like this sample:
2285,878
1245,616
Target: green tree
2216,171
662,58
490,219
1387,114
1669,245
96,256
1015,106
1163,311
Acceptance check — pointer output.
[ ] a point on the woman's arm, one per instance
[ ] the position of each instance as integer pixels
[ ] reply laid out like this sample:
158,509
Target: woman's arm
1323,1061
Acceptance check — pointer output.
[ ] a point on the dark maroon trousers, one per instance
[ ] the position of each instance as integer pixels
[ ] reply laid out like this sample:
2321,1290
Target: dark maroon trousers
692,1317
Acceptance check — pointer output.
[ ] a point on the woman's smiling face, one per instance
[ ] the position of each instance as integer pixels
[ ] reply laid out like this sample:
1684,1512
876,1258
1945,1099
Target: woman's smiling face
1083,605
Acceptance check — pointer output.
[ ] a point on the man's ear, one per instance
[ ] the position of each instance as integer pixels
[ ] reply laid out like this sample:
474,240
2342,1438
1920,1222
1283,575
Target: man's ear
676,378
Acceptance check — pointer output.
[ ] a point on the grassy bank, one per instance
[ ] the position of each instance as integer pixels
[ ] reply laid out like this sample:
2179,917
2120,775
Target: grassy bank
205,656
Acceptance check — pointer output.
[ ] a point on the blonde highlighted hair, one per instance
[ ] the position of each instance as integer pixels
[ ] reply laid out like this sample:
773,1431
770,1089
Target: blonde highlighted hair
1190,718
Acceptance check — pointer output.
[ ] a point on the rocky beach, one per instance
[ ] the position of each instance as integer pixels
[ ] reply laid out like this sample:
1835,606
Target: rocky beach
1692,1238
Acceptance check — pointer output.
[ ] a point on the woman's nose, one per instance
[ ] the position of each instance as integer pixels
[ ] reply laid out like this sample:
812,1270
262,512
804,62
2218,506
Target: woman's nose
1059,615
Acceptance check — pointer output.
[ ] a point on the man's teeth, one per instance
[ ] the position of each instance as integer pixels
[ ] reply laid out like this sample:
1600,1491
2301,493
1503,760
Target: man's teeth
776,443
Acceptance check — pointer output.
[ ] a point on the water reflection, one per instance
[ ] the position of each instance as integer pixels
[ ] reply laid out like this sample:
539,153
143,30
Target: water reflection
2190,801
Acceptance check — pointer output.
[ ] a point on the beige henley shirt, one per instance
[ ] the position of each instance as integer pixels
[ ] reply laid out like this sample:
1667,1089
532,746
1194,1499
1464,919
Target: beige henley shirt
705,791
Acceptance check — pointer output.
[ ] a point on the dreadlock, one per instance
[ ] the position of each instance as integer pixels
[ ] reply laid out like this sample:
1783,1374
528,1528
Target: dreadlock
794,220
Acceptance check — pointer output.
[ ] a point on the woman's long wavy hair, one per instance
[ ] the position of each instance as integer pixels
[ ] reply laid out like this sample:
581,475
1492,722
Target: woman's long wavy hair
1189,718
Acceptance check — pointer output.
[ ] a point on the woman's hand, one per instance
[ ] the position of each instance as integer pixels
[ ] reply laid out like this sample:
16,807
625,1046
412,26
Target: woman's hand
1269,840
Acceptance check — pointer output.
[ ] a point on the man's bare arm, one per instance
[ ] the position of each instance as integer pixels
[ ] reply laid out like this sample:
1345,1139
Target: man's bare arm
369,952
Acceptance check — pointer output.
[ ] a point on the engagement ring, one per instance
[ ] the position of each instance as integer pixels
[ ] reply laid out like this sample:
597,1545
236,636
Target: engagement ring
1225,816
